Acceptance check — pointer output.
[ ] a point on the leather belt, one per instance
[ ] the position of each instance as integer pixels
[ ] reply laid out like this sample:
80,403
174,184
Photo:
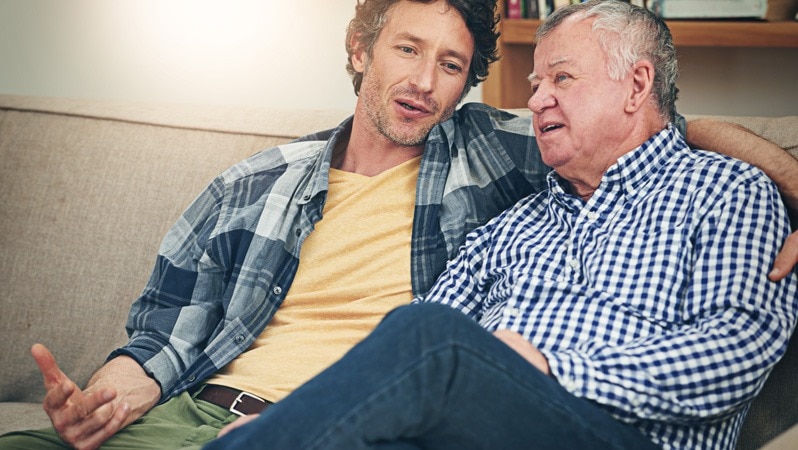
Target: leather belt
237,402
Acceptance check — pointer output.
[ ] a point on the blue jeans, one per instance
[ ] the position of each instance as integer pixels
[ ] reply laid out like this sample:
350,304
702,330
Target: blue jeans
429,377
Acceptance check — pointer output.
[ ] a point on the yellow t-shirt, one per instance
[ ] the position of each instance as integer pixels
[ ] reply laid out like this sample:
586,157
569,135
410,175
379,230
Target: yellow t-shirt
353,269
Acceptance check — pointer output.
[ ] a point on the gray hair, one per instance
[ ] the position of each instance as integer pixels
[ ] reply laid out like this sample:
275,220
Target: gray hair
628,34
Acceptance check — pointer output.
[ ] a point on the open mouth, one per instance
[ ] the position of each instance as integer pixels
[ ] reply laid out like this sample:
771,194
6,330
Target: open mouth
552,127
416,107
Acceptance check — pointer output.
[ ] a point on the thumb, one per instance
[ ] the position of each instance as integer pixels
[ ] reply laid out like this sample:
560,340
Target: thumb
51,373
786,259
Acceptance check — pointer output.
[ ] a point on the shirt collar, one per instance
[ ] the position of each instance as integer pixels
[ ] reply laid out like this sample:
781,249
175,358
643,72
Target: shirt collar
320,177
632,171
638,167
443,132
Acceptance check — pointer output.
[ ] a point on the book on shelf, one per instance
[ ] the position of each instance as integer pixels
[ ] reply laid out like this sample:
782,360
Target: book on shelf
521,9
673,9
724,9
545,7
532,9
514,9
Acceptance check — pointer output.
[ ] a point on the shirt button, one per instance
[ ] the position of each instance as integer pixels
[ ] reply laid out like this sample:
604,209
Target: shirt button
239,339
574,264
298,232
191,378
277,290
306,197
592,215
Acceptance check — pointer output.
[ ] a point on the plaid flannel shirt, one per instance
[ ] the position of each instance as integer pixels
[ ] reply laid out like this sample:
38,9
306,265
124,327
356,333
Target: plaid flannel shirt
226,265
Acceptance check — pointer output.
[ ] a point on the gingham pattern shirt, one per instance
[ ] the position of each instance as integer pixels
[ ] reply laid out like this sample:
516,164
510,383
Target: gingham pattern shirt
226,265
651,298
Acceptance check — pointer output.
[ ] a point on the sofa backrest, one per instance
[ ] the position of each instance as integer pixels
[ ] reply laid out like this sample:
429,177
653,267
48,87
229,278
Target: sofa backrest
87,192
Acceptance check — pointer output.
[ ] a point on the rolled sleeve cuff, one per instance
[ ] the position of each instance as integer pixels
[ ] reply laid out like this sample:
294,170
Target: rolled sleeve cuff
156,364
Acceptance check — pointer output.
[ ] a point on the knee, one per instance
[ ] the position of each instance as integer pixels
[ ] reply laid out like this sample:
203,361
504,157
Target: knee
433,320
417,313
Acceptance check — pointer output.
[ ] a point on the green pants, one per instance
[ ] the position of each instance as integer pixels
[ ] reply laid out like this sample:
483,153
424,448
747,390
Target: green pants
180,423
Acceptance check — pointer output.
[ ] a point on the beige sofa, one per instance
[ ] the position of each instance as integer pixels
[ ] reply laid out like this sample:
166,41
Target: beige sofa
88,190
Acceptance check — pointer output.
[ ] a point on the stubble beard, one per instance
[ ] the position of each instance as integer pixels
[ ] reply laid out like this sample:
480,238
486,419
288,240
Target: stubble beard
381,120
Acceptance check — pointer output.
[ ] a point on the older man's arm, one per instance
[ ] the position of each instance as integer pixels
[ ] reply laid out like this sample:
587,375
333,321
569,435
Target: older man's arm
741,143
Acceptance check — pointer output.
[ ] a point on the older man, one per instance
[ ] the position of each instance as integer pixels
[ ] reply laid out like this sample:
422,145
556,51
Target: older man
625,307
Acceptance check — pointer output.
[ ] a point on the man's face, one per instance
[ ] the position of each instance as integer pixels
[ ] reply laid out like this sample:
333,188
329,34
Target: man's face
577,107
417,71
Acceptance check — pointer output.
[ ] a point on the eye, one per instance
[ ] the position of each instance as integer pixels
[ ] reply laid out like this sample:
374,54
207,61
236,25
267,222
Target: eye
406,49
452,67
560,77
534,87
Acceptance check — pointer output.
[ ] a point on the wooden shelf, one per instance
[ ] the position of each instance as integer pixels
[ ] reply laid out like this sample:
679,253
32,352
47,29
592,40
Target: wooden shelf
507,87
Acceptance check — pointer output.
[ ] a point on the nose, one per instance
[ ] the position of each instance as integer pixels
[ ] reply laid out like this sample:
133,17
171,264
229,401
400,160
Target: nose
423,77
541,99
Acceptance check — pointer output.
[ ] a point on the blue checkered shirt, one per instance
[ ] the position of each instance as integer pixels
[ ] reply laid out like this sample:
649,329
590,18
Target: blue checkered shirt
225,267
651,298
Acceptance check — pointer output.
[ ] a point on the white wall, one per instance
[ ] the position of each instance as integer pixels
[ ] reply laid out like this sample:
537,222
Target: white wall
274,53
253,52
279,53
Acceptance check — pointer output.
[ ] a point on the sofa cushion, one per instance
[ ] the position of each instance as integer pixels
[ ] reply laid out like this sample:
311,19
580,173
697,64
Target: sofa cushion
22,416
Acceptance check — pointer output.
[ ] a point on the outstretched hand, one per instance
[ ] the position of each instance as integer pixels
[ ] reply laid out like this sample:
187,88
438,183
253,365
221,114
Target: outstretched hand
786,259
83,420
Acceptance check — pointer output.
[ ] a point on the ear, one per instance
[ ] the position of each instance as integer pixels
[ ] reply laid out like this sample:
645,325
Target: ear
641,87
359,53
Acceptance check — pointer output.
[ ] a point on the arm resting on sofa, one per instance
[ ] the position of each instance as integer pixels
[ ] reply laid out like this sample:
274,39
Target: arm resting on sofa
739,142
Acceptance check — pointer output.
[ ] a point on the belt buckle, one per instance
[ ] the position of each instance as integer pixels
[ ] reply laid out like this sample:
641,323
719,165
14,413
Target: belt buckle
239,399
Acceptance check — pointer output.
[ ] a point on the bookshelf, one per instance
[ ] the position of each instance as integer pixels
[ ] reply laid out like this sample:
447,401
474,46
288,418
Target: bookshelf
507,87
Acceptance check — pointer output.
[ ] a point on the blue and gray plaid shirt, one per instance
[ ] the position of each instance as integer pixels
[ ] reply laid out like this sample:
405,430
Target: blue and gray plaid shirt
651,298
226,265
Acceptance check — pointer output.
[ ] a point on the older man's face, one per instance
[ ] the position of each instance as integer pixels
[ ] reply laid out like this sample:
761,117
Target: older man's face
577,108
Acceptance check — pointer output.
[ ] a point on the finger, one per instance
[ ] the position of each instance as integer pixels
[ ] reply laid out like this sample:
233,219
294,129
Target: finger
80,430
524,348
508,335
51,373
58,395
786,259
110,427
91,412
